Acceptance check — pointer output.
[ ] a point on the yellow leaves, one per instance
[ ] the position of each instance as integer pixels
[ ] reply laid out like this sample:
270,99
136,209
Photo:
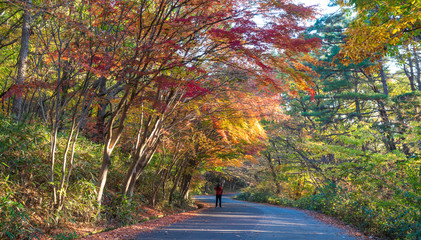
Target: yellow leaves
364,42
248,131
395,31
217,162
377,26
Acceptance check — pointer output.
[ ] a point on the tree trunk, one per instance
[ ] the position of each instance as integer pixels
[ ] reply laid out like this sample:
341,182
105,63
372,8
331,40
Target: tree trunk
141,167
53,147
389,141
55,118
357,101
178,175
418,68
273,172
383,78
185,185
23,57
145,147
101,110
168,174
411,73
106,159
130,192
70,142
112,138
155,190
102,179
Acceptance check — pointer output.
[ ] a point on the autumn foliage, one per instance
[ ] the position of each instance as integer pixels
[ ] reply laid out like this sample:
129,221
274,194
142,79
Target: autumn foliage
183,81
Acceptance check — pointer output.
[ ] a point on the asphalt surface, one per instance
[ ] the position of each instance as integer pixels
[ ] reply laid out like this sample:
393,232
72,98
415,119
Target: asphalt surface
244,220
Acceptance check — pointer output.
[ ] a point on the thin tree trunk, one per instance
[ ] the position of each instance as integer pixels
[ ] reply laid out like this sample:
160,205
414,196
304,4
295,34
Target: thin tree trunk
106,163
142,156
53,147
178,175
388,140
383,78
167,175
141,167
162,178
357,101
100,119
54,130
61,192
418,68
160,174
411,73
176,159
77,123
185,186
106,160
273,172
112,138
23,57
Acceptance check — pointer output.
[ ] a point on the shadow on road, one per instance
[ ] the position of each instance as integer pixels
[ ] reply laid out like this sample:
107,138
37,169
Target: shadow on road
243,220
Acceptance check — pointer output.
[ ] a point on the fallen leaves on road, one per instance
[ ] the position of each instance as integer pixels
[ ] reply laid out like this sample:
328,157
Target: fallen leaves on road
334,222
130,232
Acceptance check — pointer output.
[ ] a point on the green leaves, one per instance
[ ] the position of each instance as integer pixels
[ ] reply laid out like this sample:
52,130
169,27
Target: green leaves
14,218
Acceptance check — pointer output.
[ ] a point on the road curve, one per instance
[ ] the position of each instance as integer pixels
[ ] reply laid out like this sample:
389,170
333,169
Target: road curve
244,220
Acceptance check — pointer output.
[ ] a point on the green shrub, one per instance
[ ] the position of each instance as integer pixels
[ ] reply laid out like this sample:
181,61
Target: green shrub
14,219
66,236
245,196
82,205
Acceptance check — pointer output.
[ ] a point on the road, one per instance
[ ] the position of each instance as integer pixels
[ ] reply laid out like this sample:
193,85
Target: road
244,220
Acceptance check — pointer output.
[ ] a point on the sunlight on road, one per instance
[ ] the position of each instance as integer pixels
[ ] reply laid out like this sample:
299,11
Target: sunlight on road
243,220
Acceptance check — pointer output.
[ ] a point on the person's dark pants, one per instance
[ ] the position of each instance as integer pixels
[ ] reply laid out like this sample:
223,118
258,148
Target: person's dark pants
218,197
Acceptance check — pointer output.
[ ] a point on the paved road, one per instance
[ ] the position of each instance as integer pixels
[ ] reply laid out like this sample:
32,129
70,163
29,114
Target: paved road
243,220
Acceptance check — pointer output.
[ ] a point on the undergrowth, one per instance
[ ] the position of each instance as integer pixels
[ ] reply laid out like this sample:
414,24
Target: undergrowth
26,209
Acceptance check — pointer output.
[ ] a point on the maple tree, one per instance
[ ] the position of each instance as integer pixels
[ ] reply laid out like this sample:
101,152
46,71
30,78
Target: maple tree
124,52
198,49
126,73
225,138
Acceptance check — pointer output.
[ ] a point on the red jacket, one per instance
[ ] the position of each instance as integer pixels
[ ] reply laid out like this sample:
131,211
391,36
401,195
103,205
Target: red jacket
218,190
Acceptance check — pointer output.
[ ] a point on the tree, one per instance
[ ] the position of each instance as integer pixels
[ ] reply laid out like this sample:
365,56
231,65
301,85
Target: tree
23,55
201,34
96,64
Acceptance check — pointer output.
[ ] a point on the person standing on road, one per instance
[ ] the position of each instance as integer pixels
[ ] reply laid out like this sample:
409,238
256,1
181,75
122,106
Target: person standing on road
218,189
